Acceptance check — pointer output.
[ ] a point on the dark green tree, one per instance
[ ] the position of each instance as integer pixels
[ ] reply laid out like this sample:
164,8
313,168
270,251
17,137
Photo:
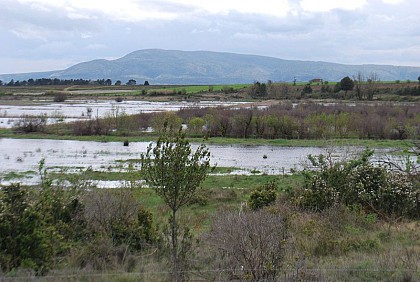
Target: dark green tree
258,90
26,239
307,89
131,82
175,172
346,84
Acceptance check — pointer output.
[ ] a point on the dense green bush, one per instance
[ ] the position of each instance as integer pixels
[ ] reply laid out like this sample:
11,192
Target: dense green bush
263,196
26,240
358,183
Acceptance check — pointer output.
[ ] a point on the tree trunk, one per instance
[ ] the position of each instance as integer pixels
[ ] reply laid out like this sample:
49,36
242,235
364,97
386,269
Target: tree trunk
174,235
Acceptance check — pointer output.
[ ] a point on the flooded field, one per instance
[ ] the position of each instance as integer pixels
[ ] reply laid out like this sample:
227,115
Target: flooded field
74,110
23,155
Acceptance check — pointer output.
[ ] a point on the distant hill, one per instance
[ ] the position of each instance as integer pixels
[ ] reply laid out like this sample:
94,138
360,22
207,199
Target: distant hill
203,67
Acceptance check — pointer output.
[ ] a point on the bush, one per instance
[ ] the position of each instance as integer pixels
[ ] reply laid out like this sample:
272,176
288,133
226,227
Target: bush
263,196
358,182
251,244
382,191
27,240
117,215
60,97
29,124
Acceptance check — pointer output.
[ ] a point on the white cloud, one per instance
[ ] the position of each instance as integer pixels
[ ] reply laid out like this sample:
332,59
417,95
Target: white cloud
223,7
96,46
395,2
328,5
122,10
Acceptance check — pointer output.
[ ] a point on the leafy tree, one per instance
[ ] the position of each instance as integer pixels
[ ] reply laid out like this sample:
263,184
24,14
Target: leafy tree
195,125
307,89
118,82
175,172
346,84
258,90
146,83
418,78
166,121
131,82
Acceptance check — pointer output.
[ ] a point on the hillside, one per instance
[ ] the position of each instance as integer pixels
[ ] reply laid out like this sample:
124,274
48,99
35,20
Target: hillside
203,67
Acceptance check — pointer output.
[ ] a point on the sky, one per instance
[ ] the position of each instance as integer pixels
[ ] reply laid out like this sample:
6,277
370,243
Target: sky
43,35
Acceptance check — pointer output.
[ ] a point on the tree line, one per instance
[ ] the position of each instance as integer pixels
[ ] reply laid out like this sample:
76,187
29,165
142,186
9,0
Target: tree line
285,120
57,81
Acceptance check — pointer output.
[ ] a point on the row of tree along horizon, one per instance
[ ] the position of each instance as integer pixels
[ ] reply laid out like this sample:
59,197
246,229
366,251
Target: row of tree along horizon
344,84
57,81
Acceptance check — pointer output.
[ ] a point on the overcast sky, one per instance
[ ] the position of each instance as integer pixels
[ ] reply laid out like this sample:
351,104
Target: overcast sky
40,35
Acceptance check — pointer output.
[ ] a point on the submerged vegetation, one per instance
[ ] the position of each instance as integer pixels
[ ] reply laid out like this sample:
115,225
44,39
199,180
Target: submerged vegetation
337,220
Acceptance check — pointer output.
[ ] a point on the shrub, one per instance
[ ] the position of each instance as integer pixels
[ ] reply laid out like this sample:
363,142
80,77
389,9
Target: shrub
28,124
251,244
358,182
26,240
118,216
382,191
263,196
60,97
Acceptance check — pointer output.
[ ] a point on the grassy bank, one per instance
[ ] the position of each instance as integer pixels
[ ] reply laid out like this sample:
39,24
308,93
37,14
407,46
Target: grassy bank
371,143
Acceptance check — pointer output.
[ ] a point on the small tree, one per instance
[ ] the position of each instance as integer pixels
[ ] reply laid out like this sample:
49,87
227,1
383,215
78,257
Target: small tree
131,82
258,90
175,172
346,84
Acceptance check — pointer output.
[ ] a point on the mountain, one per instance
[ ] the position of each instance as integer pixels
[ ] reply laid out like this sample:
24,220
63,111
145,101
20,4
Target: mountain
202,67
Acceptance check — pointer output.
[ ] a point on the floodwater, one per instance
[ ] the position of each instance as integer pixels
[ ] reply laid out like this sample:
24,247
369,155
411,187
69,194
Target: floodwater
20,155
73,110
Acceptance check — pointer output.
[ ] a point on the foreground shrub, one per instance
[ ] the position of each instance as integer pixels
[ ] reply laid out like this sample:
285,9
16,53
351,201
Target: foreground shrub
384,192
358,182
117,215
26,239
251,244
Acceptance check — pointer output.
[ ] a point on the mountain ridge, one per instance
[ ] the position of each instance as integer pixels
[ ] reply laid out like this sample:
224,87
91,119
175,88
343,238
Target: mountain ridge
160,66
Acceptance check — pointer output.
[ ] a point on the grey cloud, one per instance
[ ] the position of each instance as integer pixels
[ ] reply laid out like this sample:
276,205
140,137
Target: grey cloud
375,34
16,15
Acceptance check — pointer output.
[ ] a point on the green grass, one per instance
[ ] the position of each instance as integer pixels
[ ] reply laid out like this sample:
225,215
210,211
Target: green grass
193,89
17,175
370,143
